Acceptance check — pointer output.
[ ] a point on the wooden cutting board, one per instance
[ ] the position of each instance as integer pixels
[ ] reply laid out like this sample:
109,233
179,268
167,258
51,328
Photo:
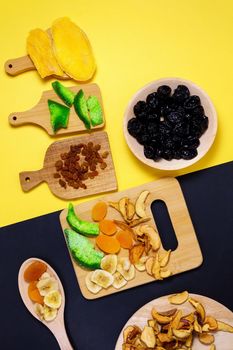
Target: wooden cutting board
223,340
39,115
104,182
187,256
16,66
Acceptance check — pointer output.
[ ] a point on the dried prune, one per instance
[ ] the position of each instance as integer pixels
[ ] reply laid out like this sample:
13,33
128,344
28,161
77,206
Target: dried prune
181,93
188,153
167,154
198,111
149,152
181,129
192,102
134,127
175,117
164,92
153,118
168,126
152,101
139,107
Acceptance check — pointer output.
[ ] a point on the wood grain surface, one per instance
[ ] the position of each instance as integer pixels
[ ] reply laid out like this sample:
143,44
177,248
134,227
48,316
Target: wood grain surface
206,139
104,182
39,115
57,326
187,255
223,340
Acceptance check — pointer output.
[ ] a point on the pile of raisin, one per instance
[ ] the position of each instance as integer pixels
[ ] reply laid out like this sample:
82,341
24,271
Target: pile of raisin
79,164
168,124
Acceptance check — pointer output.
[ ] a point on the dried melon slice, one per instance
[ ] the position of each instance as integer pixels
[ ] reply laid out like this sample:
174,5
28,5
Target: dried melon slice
39,48
72,50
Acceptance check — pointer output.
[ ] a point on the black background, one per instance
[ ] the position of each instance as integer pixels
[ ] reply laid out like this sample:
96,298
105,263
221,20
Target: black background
95,325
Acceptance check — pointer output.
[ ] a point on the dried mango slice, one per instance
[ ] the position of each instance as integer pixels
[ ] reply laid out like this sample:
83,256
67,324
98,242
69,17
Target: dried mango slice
39,48
72,50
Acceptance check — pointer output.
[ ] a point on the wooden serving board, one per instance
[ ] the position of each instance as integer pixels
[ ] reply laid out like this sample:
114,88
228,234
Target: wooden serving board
104,182
39,115
187,256
223,340
16,66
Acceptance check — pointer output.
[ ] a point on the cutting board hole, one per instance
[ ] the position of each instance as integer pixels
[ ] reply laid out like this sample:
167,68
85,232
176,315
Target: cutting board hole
164,224
10,65
14,118
27,179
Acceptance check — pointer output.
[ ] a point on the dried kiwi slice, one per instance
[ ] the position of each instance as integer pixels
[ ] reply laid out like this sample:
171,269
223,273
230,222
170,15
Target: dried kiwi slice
80,106
65,94
95,110
59,115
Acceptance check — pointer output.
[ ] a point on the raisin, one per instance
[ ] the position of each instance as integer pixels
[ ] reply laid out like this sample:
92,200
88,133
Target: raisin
62,183
103,165
105,154
92,167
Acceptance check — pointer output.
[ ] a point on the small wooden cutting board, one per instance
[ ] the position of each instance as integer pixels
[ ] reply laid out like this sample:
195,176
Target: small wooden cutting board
187,255
16,66
104,182
223,340
40,116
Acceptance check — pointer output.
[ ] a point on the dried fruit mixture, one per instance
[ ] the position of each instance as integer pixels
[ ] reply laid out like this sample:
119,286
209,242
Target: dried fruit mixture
173,329
43,290
80,163
169,125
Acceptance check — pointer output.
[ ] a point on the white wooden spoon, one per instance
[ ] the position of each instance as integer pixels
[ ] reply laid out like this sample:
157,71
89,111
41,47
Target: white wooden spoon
57,326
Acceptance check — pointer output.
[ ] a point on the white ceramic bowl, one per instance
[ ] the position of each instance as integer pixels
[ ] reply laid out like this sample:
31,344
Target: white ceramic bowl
206,139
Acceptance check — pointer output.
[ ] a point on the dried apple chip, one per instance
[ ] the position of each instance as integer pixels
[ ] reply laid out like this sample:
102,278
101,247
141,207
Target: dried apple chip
148,337
206,338
222,326
179,298
72,50
199,308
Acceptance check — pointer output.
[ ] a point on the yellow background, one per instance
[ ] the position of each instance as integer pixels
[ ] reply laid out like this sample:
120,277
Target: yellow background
134,42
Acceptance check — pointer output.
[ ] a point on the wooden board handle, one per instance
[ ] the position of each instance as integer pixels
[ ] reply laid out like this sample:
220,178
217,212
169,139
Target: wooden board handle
27,117
16,66
31,179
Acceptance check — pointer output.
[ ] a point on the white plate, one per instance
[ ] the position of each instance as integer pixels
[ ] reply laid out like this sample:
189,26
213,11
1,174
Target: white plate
223,340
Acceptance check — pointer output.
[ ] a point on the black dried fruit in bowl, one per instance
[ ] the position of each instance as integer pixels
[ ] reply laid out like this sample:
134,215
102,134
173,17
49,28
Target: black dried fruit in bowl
192,102
198,111
153,118
139,108
152,101
169,126
175,117
188,153
149,152
181,93
134,127
164,92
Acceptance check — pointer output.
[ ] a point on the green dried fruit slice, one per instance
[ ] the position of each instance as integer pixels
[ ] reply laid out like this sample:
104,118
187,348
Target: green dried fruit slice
95,110
59,115
65,94
80,106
